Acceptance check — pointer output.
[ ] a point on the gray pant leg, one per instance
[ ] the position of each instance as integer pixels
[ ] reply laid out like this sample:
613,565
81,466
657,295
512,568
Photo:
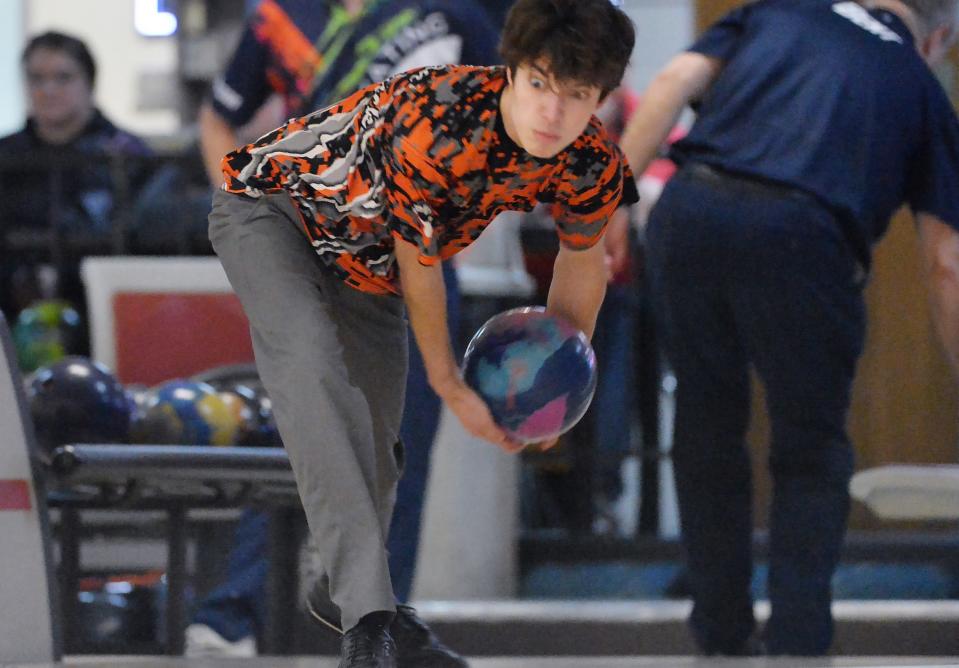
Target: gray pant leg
333,360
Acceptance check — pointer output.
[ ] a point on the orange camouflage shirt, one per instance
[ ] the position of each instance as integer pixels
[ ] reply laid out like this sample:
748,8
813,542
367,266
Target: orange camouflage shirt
424,157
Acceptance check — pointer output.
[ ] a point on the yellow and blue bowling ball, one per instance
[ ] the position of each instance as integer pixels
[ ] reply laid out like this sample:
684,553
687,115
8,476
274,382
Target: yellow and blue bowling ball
253,411
535,371
185,412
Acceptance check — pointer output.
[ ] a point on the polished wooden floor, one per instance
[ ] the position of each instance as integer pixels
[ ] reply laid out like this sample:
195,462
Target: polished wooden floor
516,662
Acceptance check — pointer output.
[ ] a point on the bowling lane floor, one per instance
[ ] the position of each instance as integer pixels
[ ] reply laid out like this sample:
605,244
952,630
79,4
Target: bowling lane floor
512,662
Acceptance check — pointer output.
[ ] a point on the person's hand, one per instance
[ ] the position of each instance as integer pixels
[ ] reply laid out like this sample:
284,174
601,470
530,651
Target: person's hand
475,415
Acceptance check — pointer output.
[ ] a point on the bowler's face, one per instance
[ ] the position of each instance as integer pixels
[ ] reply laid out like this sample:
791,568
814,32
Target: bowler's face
548,115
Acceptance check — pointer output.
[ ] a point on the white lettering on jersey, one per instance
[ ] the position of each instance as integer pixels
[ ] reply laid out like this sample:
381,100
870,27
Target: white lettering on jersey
445,50
411,48
226,95
862,18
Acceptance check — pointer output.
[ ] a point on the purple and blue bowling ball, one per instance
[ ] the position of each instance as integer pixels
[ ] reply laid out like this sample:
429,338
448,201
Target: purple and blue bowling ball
535,371
185,412
75,400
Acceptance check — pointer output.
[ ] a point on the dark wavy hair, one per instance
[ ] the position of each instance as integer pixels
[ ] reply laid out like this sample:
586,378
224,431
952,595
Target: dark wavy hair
71,46
586,41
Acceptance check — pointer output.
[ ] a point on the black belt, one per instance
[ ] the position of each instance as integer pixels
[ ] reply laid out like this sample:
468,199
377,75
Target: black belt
758,185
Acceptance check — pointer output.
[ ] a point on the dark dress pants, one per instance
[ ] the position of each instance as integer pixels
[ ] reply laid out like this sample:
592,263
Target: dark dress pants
747,274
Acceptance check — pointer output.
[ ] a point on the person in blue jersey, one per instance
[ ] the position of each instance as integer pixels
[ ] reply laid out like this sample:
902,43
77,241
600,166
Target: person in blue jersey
311,54
816,120
314,53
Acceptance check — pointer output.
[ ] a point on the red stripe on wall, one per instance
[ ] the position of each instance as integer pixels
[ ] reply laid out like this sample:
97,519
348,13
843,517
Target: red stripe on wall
14,495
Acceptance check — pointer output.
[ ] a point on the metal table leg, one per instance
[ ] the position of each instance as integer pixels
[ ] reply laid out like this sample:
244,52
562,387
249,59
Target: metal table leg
282,581
69,575
176,581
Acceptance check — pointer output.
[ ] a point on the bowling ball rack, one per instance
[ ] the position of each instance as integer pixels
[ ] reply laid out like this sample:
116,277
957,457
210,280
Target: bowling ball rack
176,479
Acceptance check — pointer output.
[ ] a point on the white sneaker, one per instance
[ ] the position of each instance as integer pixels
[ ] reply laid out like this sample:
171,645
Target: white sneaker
202,641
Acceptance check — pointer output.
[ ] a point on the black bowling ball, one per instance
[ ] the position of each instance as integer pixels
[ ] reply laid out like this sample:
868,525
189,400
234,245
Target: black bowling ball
76,400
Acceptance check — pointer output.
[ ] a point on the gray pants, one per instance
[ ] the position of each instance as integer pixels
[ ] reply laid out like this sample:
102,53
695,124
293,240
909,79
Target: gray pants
333,360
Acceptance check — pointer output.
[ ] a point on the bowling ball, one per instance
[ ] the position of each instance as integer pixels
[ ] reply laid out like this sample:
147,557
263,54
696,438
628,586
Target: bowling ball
243,380
259,431
243,405
535,371
75,400
139,395
185,412
46,331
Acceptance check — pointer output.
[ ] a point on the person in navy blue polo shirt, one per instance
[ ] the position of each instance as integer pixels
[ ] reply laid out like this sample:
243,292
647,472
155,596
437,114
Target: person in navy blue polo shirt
816,120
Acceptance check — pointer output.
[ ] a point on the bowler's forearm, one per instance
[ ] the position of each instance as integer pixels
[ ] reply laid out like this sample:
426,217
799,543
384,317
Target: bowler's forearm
940,244
425,295
944,299
578,286
217,138
686,77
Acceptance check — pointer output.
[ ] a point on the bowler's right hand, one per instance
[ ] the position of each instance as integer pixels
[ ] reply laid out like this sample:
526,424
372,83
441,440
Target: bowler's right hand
475,415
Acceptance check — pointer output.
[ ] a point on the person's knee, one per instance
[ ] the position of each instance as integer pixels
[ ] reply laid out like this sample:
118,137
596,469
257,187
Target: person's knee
708,432
826,460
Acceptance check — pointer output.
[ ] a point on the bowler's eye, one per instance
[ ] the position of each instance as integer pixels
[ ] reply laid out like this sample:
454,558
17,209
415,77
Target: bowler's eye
536,82
581,94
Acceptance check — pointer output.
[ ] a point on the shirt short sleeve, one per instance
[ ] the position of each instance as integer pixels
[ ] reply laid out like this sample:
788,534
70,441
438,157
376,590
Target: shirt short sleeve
934,184
243,87
591,191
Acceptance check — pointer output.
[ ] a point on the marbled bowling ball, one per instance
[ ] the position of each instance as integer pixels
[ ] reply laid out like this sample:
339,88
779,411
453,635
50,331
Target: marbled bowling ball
186,412
536,372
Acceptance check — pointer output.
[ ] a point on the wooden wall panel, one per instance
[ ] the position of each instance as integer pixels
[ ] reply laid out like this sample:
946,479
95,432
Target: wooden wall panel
905,399
708,11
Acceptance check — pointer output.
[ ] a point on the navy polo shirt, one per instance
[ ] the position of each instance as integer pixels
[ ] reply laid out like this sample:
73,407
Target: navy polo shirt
833,100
